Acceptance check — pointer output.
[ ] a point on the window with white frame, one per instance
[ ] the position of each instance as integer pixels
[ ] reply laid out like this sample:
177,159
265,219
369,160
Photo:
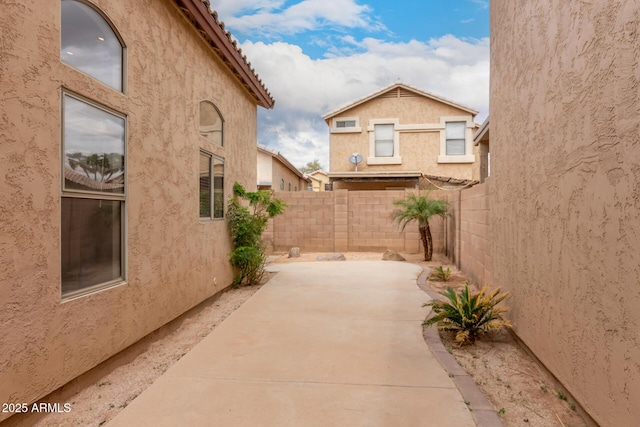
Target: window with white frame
456,143
455,134
346,125
384,140
89,43
211,123
211,182
93,196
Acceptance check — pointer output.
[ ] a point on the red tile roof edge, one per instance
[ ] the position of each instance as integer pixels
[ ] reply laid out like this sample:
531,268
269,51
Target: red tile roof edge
212,30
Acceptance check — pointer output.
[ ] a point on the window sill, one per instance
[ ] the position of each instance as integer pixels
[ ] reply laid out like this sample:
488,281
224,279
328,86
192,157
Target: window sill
457,159
92,290
357,129
384,160
207,220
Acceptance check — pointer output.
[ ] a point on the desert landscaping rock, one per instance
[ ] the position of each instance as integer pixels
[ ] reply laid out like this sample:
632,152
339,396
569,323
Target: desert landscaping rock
331,257
390,255
294,252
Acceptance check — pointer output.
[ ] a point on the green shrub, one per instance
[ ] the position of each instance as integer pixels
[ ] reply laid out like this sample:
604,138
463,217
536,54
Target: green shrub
247,223
469,315
441,274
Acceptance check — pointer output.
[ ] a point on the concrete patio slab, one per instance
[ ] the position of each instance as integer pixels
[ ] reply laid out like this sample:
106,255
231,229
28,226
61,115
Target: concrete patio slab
331,344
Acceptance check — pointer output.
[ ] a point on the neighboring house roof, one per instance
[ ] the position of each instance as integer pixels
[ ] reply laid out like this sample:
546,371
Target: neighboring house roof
482,134
313,178
401,86
282,159
451,181
199,13
354,176
318,172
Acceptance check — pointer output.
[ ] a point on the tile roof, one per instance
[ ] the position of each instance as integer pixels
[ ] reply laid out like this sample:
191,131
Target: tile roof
212,30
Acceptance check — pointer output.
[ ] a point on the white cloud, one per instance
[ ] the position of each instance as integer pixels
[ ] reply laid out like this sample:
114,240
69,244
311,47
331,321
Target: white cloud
305,89
270,18
484,4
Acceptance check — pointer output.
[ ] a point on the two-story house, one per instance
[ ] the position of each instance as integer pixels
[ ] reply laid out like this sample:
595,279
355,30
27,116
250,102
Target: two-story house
398,137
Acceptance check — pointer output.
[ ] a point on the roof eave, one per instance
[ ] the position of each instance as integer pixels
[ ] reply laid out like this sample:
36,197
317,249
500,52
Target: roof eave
369,97
220,40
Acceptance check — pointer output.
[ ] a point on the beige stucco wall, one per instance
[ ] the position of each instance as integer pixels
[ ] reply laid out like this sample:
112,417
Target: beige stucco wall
565,161
282,172
174,260
318,184
419,150
265,167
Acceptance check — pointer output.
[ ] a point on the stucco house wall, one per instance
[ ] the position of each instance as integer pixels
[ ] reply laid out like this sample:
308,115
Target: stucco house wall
275,172
419,125
292,181
565,214
173,259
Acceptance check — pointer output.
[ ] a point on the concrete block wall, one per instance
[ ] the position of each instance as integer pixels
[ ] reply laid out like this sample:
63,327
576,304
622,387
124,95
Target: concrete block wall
308,222
474,240
360,221
344,221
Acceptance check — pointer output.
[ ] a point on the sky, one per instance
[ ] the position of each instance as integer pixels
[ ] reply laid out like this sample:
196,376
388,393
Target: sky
315,56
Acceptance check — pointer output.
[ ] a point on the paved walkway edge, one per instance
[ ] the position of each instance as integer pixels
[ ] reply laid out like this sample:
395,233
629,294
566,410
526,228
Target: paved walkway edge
481,409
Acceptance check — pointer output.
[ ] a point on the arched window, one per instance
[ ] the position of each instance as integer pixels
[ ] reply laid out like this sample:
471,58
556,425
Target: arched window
90,44
282,184
211,123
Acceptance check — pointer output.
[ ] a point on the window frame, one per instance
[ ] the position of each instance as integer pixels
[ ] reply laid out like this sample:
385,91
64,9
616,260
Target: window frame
116,32
94,195
222,130
468,156
372,159
345,129
212,157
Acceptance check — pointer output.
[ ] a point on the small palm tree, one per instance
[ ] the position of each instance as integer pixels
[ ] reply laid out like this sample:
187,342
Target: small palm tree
419,208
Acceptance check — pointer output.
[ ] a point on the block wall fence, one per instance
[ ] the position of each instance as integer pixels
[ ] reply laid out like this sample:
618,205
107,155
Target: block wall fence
360,221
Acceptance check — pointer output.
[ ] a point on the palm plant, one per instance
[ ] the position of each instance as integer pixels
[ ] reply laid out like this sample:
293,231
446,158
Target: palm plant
419,208
469,315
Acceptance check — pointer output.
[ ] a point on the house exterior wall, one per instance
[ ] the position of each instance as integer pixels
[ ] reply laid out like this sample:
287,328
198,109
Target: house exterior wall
265,167
565,163
174,260
318,184
419,149
282,172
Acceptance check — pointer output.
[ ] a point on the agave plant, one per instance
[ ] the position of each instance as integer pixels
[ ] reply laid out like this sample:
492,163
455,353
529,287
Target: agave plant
469,315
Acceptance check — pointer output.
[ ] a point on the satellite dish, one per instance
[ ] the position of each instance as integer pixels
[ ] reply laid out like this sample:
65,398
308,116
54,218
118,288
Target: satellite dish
355,158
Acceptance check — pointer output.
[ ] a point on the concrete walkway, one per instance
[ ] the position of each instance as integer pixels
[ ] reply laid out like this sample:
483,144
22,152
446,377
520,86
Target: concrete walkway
321,344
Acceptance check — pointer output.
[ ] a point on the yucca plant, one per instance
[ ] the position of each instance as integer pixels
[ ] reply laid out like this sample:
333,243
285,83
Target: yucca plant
469,315
441,274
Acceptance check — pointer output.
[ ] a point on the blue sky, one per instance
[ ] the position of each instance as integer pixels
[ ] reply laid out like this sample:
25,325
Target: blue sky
317,55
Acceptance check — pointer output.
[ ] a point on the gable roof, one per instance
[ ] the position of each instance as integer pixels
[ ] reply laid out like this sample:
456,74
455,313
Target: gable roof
401,89
320,172
282,159
482,135
212,30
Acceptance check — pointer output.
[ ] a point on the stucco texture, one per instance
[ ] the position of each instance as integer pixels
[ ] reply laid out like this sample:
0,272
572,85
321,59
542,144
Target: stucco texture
174,260
419,149
565,215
